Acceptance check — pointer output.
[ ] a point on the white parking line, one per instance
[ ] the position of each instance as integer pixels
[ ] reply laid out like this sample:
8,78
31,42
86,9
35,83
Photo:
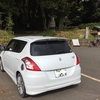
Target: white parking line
92,78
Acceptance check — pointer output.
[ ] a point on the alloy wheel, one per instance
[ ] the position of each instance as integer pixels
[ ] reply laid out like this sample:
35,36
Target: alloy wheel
20,86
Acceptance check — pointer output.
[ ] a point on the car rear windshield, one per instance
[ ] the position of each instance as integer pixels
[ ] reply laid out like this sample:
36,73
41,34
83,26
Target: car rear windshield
49,47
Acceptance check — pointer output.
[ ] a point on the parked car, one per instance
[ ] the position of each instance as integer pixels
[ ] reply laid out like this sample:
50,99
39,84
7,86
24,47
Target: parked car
38,64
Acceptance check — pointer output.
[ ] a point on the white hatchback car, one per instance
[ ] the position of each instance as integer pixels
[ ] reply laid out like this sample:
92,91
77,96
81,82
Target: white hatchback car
38,64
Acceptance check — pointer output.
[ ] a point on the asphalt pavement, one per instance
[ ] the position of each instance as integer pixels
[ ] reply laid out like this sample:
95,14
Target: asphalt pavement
88,89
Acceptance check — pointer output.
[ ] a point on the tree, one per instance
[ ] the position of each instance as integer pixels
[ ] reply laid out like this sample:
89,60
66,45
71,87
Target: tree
96,11
36,14
8,6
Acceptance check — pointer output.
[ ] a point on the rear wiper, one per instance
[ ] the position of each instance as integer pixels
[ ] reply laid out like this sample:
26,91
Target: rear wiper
58,52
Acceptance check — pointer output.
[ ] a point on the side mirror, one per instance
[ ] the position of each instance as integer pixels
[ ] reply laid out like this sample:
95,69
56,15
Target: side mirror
2,48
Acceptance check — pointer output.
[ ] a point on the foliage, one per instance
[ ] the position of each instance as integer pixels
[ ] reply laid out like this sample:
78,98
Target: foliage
5,37
48,33
9,24
96,13
36,14
9,8
90,25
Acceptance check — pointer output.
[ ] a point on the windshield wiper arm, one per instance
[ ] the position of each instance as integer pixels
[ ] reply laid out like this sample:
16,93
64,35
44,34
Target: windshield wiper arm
58,52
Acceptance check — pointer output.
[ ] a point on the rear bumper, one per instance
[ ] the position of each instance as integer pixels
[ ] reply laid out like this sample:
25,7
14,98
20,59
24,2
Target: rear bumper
39,82
34,90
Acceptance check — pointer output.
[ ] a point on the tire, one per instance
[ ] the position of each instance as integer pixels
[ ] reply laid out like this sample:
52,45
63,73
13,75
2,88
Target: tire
21,86
1,66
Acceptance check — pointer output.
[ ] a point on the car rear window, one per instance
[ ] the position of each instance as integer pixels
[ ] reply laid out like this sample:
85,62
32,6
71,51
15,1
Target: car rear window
49,47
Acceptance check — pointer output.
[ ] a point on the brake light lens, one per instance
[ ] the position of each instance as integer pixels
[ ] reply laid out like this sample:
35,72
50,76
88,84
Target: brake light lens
30,64
77,60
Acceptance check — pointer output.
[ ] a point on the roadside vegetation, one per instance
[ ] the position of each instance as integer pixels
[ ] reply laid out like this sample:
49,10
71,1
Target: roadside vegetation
44,16
5,37
71,33
74,32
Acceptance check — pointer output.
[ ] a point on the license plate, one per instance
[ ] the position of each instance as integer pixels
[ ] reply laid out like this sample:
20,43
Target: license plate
60,73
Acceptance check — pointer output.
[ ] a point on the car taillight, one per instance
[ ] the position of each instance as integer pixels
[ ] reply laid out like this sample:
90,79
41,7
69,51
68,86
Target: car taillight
77,60
30,64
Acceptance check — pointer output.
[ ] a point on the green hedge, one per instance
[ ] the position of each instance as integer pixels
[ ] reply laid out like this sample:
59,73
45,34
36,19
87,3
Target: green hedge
90,25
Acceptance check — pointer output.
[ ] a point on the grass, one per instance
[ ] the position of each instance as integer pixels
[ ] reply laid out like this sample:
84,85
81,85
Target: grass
69,34
5,37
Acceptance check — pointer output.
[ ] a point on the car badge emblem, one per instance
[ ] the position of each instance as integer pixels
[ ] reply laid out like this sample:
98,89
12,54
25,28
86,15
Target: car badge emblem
60,59
73,57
